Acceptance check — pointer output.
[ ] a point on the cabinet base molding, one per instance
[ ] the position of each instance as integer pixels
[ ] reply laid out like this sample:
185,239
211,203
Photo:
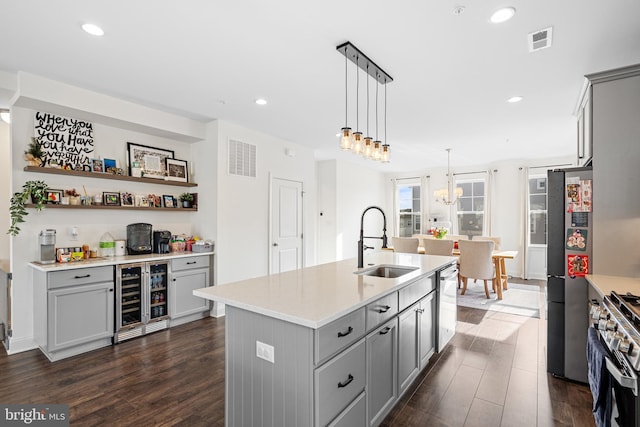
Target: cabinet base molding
75,350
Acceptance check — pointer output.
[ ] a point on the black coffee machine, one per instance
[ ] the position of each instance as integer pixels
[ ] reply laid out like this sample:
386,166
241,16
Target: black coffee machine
161,240
139,239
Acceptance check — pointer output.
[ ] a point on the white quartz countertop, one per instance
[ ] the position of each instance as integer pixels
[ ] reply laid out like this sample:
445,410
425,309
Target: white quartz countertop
114,260
315,296
621,285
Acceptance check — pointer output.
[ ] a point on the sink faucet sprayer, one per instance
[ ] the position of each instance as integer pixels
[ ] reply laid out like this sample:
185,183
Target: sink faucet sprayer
361,245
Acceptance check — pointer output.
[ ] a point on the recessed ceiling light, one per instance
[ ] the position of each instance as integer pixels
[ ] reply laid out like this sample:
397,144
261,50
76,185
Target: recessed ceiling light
93,29
261,101
458,10
515,99
502,15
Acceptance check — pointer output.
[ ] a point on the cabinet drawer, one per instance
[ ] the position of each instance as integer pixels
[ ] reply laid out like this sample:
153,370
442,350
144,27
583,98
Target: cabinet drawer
338,334
80,276
415,291
355,414
382,310
339,382
190,262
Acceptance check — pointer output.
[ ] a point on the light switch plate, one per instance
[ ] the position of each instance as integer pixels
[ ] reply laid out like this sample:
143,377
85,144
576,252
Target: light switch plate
265,351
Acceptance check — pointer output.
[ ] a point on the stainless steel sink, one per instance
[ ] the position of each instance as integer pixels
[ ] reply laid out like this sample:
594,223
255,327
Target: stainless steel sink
387,271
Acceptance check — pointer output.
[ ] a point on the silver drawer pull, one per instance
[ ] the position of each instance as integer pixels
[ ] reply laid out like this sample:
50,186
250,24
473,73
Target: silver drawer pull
82,277
344,334
347,382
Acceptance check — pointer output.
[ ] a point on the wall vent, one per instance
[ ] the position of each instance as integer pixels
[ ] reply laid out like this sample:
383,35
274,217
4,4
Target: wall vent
242,159
540,39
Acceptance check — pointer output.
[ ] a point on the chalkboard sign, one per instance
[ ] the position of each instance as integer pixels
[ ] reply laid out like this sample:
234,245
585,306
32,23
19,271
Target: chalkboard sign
65,142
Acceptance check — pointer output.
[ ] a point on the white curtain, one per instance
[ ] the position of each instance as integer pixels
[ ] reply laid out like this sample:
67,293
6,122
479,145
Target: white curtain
425,203
395,227
488,202
524,219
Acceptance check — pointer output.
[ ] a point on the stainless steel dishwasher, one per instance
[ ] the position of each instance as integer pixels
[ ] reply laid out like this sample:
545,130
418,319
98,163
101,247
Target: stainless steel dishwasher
447,309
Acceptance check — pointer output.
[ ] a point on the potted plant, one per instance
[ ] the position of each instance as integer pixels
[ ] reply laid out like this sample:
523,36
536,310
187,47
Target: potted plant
37,191
33,154
186,199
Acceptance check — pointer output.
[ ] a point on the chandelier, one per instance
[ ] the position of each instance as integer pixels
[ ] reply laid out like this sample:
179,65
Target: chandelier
354,141
444,195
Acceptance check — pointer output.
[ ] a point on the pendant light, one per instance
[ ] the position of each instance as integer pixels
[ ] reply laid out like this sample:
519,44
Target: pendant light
358,142
354,141
346,139
444,195
386,155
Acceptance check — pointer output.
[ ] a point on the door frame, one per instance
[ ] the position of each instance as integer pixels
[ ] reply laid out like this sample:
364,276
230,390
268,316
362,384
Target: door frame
270,222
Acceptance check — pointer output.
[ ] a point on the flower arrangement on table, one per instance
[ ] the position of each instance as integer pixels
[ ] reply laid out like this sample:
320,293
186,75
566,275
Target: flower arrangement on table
438,232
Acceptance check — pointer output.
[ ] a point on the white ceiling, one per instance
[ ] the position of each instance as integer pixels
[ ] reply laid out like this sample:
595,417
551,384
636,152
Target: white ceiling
452,74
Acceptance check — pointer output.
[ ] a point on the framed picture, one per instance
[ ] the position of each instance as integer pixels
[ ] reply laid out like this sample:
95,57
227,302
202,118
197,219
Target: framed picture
110,166
154,201
177,170
97,165
126,199
111,199
142,201
54,196
169,201
152,160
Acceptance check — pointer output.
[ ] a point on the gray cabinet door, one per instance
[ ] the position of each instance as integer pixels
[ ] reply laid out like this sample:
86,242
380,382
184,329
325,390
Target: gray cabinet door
79,314
382,383
408,360
182,302
427,313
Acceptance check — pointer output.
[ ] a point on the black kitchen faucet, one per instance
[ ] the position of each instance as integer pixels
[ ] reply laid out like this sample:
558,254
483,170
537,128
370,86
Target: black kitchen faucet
361,245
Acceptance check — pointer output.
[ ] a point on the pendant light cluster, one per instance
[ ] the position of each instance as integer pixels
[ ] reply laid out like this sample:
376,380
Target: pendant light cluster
354,141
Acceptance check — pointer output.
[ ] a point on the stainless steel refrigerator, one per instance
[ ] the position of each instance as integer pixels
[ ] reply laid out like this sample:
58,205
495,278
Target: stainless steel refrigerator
569,250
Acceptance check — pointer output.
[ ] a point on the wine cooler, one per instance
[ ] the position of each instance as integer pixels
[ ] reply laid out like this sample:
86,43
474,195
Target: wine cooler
141,299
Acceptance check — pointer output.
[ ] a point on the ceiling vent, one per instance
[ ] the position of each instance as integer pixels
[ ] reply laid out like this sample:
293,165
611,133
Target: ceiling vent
242,159
540,39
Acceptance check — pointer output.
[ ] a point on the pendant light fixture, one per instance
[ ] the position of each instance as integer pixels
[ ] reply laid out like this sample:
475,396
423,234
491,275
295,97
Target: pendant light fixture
444,195
366,146
346,138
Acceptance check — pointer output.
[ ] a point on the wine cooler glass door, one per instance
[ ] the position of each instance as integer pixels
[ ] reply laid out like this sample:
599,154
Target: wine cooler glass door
158,277
131,296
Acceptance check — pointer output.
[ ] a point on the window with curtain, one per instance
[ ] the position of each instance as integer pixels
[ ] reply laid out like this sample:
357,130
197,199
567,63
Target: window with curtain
470,207
408,209
538,210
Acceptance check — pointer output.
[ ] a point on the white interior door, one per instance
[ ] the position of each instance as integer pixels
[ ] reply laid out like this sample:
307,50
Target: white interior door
286,225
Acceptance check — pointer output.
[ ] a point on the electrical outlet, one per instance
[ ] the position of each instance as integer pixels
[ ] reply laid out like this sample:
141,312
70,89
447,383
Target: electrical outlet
265,351
74,233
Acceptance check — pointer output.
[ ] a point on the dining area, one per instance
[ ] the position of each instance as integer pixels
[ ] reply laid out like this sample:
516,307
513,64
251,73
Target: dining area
480,259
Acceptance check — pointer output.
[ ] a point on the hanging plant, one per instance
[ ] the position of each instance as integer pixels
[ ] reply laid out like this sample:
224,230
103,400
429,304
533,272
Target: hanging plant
34,190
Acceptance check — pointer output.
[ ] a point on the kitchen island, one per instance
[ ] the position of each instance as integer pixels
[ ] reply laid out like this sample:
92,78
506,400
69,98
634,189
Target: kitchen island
324,346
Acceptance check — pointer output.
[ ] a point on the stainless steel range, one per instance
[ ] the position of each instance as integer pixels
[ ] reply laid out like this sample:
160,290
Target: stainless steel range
617,319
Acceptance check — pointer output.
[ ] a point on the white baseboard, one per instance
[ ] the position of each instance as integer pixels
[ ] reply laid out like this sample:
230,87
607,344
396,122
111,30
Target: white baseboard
217,310
18,345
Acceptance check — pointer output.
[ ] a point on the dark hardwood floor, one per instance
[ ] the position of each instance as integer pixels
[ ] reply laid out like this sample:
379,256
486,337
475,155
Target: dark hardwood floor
492,374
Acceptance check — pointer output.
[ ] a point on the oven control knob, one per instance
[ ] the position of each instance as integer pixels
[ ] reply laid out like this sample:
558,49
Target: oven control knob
623,345
595,312
611,325
615,338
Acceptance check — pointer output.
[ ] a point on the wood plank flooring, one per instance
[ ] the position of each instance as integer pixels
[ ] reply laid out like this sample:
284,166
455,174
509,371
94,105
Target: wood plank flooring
492,374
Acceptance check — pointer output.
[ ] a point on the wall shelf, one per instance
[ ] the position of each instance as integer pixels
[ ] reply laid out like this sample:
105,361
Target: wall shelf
98,175
129,208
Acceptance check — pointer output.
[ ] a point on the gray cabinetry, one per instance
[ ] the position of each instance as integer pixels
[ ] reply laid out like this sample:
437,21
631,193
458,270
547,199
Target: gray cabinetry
74,310
382,356
188,274
408,361
427,329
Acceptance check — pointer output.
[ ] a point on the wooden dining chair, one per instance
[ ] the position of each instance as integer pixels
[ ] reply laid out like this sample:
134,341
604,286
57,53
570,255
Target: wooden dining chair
438,247
496,240
405,244
476,262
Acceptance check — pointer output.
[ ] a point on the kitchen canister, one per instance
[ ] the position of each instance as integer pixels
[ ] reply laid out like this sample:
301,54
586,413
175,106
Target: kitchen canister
120,247
107,245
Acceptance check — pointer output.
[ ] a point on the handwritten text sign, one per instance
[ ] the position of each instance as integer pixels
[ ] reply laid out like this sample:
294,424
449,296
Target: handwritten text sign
67,142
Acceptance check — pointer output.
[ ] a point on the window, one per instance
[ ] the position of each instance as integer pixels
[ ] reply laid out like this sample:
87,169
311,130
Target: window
471,207
409,210
537,210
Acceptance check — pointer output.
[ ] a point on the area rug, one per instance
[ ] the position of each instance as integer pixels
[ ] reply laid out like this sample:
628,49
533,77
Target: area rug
523,300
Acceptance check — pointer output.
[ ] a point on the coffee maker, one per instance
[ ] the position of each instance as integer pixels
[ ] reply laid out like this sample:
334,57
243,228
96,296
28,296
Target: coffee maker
47,240
161,240
139,239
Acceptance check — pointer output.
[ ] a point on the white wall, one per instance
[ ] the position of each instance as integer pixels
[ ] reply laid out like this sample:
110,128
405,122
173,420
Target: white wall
345,191
5,187
243,210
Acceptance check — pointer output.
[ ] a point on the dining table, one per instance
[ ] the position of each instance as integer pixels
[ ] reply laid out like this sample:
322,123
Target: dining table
498,257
